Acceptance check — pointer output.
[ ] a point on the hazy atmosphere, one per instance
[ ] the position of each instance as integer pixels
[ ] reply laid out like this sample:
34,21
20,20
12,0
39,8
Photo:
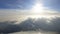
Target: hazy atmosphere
29,16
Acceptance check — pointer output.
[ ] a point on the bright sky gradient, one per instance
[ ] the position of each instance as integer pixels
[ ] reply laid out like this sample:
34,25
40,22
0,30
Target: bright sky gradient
25,4
15,9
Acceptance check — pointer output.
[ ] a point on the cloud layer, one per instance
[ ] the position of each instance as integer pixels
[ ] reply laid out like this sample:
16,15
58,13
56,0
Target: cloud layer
30,24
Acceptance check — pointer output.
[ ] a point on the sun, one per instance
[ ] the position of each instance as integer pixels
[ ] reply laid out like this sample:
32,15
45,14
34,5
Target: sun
37,8
38,11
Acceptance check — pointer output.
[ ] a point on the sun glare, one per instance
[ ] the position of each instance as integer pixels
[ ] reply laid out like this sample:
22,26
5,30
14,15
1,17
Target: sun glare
39,16
37,8
38,11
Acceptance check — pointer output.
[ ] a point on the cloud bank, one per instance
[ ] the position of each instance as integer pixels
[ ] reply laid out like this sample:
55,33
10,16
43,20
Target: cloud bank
30,24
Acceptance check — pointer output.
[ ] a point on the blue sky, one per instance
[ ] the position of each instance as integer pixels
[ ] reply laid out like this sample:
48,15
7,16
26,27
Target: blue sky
52,4
27,4
16,4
